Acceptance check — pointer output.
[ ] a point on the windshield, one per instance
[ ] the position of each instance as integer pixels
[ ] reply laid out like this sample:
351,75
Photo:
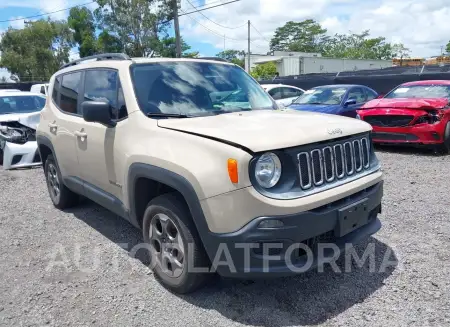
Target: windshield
196,89
324,96
420,91
21,104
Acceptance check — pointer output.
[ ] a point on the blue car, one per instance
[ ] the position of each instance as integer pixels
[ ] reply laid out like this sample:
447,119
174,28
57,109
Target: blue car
337,99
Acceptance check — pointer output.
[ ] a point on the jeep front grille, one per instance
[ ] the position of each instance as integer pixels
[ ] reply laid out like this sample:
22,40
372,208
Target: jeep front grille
329,164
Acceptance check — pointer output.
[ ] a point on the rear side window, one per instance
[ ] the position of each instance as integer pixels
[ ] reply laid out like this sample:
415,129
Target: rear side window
104,85
55,93
69,92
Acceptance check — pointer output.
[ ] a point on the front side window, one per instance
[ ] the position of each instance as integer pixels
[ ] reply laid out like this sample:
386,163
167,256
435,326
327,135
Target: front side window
70,87
276,93
21,104
371,94
289,92
322,96
103,85
357,93
420,91
196,89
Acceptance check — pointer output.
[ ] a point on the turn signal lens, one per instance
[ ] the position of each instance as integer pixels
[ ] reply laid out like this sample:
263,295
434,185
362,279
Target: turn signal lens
233,170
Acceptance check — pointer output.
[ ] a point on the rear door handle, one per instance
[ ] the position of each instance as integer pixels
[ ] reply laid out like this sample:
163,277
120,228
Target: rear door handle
80,134
53,125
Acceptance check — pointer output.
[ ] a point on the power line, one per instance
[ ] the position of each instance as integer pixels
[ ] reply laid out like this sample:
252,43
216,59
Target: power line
47,14
231,28
207,28
202,8
259,32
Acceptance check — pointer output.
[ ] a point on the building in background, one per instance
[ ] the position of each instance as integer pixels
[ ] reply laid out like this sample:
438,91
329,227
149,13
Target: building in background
298,63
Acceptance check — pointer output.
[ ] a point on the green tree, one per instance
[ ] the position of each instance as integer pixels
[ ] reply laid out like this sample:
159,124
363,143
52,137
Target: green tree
107,43
167,49
36,51
400,51
82,22
234,56
357,46
138,24
305,36
447,49
265,70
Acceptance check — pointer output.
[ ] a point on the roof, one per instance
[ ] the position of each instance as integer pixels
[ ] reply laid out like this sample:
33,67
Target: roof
278,85
339,85
112,63
428,82
19,93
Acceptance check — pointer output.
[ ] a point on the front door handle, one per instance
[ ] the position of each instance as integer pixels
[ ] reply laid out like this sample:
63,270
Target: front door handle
80,134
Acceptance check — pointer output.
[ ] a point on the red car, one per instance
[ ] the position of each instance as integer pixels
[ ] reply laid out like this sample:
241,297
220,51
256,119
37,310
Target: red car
415,113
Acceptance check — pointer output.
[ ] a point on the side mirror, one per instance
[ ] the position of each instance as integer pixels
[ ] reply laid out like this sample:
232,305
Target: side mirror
350,102
97,112
380,96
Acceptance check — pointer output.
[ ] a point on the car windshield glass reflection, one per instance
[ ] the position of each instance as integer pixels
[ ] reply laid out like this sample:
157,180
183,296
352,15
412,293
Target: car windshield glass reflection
21,104
196,89
420,91
322,96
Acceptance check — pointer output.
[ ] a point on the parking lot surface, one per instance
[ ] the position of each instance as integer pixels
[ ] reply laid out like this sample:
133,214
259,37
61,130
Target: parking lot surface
75,267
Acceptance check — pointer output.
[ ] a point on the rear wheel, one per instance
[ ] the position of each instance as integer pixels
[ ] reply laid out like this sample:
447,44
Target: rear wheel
444,148
174,245
60,195
1,157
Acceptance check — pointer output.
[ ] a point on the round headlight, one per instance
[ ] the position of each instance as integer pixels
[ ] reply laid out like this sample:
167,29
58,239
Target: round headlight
268,170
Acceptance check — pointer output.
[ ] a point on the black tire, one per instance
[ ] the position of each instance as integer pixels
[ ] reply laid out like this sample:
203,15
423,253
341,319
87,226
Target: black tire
171,205
1,157
444,148
66,198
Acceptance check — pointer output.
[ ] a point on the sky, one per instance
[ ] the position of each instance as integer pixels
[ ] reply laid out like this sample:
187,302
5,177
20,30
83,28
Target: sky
421,25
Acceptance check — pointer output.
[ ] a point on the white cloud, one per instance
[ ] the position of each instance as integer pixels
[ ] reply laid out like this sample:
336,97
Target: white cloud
419,24
18,24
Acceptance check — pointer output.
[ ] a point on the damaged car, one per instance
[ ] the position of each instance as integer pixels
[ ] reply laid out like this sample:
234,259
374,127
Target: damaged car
414,113
19,117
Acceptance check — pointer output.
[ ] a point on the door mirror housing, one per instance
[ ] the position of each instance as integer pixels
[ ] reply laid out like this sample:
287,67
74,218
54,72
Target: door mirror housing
350,102
380,96
97,112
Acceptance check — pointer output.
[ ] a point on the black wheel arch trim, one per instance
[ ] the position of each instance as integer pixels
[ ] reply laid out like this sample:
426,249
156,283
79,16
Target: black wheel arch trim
43,140
177,182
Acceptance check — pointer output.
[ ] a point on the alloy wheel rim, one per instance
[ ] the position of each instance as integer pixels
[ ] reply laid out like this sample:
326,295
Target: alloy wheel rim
53,181
167,245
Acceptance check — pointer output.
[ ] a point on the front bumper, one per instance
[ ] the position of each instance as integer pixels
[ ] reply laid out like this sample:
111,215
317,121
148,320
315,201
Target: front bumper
20,155
232,256
426,134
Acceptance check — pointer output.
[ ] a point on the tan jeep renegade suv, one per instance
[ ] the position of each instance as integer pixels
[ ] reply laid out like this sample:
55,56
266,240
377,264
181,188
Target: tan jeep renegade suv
194,153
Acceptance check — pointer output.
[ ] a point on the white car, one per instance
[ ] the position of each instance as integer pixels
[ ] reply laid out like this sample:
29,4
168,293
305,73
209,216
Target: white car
39,88
19,117
283,94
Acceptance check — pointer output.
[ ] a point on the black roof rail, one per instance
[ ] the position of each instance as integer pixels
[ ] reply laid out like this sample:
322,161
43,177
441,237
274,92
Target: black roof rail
213,58
102,56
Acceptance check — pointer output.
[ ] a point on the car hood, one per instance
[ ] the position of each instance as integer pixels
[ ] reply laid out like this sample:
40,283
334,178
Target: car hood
262,130
416,103
30,119
327,109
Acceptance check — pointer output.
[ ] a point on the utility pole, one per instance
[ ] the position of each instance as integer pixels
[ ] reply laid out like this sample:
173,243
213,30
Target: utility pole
248,50
224,37
177,28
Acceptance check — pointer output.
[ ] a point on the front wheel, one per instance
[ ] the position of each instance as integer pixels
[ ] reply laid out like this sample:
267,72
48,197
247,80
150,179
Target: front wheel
174,245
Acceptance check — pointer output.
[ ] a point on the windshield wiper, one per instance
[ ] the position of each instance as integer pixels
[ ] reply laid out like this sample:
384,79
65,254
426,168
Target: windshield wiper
167,115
